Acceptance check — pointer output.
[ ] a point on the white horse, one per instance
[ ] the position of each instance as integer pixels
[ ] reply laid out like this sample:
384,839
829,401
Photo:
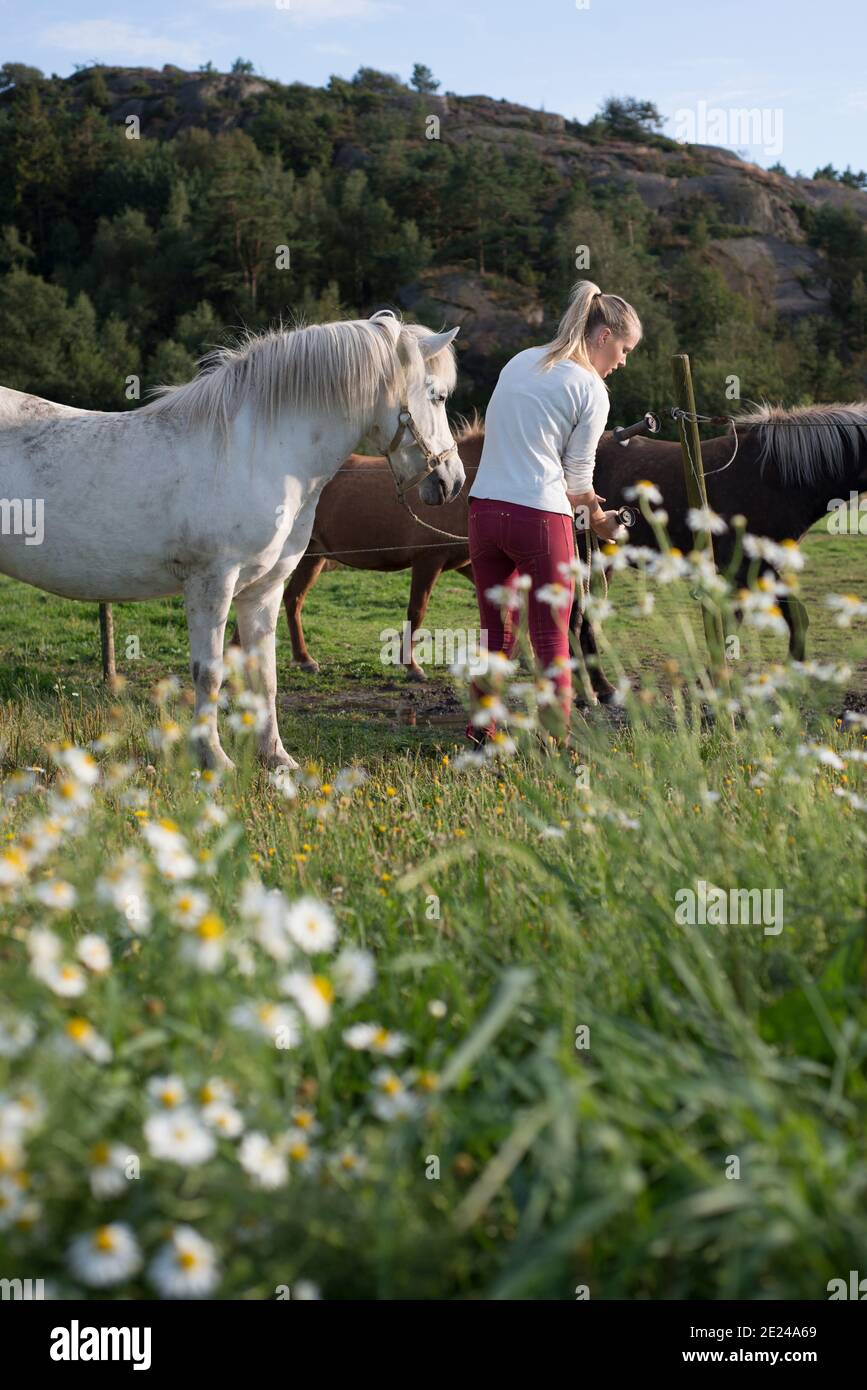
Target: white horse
210,489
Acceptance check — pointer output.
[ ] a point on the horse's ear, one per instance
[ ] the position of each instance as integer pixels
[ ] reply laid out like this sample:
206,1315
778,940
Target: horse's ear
433,343
387,319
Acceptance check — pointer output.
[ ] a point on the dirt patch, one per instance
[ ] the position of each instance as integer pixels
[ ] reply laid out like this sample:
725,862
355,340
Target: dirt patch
407,705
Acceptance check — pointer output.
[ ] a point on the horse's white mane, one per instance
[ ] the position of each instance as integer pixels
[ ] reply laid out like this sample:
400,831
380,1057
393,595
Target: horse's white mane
808,443
321,367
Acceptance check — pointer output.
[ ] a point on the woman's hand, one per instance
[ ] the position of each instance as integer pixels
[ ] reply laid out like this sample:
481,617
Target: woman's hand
607,525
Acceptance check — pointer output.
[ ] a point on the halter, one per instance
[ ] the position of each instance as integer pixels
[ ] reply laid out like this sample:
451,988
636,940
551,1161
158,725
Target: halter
432,461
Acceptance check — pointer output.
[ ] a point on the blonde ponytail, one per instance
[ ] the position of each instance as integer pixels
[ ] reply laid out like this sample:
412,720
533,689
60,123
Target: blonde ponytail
588,307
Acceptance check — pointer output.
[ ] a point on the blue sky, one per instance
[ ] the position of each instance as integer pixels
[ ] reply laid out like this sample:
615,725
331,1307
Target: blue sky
801,65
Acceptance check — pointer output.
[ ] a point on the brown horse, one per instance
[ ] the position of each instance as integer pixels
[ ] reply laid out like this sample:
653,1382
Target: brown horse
360,523
789,467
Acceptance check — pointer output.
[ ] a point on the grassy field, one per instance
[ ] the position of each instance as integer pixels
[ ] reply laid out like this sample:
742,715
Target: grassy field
568,1089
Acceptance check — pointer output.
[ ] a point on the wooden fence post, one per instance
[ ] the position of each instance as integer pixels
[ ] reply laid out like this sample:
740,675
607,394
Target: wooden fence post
106,633
696,491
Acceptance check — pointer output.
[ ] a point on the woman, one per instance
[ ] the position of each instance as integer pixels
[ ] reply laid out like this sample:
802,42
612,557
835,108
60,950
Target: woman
543,423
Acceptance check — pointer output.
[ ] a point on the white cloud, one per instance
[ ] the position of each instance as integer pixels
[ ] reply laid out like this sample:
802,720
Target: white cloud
317,11
110,41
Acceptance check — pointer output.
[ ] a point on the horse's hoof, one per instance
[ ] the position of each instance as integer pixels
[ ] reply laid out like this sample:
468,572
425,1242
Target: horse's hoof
309,665
415,673
274,761
215,760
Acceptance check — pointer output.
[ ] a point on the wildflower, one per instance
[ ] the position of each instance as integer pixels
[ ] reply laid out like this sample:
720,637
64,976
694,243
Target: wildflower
108,1169
57,894
437,1008
185,1267
17,1032
109,1255
79,764
264,1162
282,781
643,488
224,1119
93,951
311,925
349,778
392,1099
785,556
304,1119
372,1037
214,1089
347,1163
67,981
13,867
314,995
354,974
188,906
80,1034
846,607
705,519
169,1092
205,947
505,596
276,1022
556,596
179,1137
296,1145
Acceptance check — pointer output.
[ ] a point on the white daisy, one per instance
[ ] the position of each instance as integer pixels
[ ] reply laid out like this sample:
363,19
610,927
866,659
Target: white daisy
263,1161
205,946
354,974
108,1169
314,995
79,763
705,519
188,906
347,1163
44,947
267,912
68,980
109,1255
94,952
372,1037
276,1022
215,1089
224,1119
643,489
311,925
180,1137
556,596
297,1147
79,1035
57,894
169,1092
185,1267
392,1100
17,1032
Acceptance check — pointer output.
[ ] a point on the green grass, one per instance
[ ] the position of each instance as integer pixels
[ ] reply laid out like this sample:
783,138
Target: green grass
526,902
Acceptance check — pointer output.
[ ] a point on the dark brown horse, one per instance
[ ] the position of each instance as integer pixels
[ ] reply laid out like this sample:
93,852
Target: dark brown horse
360,523
789,466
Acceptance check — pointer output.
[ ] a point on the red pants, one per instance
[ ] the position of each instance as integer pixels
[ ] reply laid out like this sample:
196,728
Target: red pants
507,540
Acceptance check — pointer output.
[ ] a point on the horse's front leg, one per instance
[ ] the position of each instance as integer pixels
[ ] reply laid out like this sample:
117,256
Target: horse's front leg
207,597
258,608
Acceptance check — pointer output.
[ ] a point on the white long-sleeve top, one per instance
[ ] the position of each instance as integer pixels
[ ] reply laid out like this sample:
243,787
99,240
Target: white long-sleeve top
541,433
